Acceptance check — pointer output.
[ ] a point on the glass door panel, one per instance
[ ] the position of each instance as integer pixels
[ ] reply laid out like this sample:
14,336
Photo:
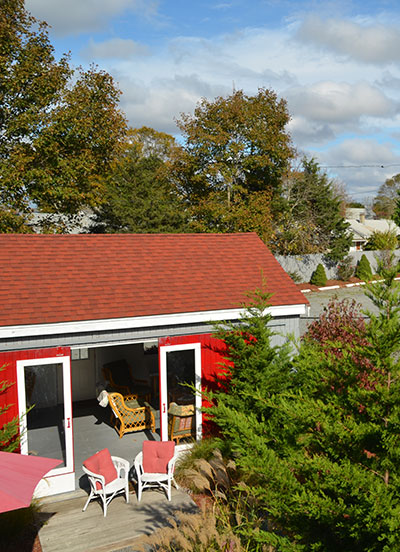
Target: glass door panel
44,392
181,375
44,399
180,368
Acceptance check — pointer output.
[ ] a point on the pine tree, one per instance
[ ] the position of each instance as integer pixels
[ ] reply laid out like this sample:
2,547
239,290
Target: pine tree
312,221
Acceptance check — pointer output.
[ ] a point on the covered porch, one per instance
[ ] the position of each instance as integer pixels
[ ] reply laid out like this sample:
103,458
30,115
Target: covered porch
73,433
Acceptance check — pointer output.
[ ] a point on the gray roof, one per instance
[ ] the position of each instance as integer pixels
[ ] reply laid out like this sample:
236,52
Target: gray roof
364,230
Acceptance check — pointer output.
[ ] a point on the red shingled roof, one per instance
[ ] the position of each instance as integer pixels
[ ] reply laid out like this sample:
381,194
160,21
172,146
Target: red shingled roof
61,278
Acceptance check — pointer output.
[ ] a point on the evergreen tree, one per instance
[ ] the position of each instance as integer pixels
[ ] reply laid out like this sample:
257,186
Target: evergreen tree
318,454
138,196
363,270
318,277
252,363
312,220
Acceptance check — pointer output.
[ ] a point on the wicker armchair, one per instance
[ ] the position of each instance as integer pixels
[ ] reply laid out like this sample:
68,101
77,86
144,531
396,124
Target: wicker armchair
180,422
119,376
129,415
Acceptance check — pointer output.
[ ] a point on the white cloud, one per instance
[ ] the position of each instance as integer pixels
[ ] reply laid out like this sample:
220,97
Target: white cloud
369,44
77,16
359,151
334,72
340,102
158,103
115,48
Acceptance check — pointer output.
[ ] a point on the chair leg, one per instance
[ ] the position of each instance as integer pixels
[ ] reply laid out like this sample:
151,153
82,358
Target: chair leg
127,492
139,489
175,483
87,502
169,490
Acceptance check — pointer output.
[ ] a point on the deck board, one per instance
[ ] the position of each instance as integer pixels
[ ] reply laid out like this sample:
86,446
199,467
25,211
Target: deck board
68,528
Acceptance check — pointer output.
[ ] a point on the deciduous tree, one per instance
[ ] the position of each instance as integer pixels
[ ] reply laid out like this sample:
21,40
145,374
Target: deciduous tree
384,204
59,131
233,147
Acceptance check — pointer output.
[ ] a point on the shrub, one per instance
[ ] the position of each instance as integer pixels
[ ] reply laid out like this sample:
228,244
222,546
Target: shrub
318,277
345,269
295,276
363,270
383,241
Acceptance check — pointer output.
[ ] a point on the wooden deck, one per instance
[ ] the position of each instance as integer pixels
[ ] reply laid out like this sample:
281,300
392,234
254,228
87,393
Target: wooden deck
68,528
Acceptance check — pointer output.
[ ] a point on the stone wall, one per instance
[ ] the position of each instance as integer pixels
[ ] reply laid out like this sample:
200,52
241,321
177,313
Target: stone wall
305,265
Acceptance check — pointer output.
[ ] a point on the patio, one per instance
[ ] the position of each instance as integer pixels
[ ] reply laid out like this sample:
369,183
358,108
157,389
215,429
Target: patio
68,528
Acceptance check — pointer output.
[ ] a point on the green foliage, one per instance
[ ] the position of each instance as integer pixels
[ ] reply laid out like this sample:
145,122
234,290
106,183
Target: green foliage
138,195
252,363
363,269
345,269
312,219
59,131
355,205
9,431
295,276
318,277
233,147
319,454
382,241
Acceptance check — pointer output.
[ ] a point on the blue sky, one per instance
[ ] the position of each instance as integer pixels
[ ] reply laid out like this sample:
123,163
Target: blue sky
336,63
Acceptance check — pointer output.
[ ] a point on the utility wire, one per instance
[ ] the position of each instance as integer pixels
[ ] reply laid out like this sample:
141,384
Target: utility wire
359,166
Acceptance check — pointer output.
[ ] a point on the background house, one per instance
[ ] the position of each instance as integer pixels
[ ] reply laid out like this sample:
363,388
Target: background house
362,227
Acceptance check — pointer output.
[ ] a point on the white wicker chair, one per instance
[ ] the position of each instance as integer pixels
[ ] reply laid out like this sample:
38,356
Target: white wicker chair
155,479
107,492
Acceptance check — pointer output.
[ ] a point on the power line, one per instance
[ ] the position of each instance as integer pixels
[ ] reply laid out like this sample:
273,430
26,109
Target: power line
359,166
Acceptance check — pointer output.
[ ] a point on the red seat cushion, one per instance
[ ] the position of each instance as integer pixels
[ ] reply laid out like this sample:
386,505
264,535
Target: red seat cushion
156,455
102,464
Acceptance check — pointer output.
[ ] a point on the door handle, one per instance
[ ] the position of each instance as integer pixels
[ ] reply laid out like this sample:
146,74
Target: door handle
68,423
